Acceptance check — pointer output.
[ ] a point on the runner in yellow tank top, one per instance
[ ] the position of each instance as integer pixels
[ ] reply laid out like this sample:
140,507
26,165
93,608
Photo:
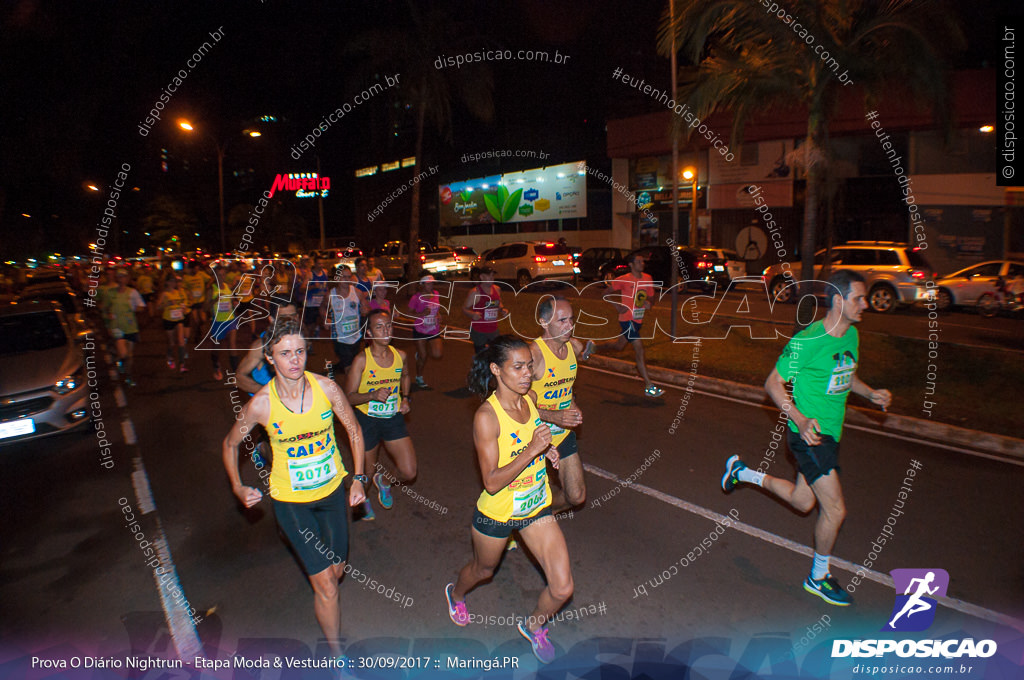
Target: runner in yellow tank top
306,480
529,494
378,386
224,328
173,306
554,376
512,444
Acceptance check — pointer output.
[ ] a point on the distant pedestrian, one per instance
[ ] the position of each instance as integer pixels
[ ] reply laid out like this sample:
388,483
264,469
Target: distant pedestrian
637,293
483,306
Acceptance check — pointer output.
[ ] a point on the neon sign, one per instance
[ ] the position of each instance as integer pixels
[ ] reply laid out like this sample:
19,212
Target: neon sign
304,184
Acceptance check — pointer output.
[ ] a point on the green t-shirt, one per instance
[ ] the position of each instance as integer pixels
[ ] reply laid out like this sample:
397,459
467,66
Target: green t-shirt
122,306
821,368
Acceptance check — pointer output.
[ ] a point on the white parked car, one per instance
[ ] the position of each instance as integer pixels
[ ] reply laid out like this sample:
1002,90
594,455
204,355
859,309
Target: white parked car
526,261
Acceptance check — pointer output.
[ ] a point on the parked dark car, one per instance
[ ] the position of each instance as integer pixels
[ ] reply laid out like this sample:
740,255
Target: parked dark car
591,260
701,270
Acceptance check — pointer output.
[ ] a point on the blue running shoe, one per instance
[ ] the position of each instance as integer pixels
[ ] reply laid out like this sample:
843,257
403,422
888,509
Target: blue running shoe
730,480
829,590
383,491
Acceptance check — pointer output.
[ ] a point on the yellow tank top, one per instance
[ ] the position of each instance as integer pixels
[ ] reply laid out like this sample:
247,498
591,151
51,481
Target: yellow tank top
223,304
529,493
144,283
554,390
375,377
177,305
307,465
195,286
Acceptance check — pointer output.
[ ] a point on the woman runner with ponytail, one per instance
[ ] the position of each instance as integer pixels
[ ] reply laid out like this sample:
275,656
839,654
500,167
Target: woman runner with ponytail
512,443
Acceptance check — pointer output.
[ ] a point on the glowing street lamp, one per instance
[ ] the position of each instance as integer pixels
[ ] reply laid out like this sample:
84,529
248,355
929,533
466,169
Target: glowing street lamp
221,148
690,175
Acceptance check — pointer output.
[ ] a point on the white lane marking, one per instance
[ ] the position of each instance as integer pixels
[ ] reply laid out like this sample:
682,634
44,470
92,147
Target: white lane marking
143,492
128,430
891,435
119,397
180,623
743,527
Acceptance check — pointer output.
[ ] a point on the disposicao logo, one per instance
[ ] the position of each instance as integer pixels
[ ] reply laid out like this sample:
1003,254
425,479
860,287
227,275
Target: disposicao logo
914,609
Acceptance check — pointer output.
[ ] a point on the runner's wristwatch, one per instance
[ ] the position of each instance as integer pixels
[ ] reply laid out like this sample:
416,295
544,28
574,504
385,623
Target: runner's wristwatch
363,479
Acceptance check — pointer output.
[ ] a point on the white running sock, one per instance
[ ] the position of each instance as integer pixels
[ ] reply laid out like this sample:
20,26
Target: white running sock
820,568
751,476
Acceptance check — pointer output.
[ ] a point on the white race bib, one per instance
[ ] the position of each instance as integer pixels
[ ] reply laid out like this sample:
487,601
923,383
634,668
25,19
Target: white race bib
176,314
526,501
384,409
196,294
315,300
349,327
312,472
638,313
223,305
490,313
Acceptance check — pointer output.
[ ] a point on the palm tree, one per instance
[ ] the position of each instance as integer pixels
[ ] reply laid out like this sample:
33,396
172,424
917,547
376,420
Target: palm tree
749,61
411,51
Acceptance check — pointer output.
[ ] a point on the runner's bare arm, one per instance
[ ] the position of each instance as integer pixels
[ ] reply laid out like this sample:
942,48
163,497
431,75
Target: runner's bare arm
405,386
250,362
467,306
485,438
256,411
882,398
538,361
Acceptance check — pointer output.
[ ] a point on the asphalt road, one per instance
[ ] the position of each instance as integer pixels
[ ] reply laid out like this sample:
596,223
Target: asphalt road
72,576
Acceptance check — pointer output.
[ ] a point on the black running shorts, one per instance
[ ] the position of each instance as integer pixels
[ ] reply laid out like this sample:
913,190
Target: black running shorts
495,529
814,461
317,531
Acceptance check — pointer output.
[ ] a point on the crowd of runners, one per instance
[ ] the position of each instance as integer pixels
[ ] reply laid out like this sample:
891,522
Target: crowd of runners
523,432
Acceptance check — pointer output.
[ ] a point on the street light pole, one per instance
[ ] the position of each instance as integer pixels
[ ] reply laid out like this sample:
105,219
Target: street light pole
320,206
674,279
221,149
693,212
220,193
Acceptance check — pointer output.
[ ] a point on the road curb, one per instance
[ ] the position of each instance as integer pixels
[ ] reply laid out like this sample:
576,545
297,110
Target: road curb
885,422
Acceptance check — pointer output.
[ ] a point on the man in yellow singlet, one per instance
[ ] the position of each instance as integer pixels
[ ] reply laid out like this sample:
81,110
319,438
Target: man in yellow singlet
554,375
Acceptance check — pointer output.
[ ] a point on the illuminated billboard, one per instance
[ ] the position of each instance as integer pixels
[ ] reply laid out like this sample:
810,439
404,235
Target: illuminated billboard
550,193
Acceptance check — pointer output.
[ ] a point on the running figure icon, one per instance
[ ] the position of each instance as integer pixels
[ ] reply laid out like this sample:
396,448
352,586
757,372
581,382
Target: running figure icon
915,604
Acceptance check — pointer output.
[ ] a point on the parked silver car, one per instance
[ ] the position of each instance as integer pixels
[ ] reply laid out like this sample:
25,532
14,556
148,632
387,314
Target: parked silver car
42,373
963,288
894,273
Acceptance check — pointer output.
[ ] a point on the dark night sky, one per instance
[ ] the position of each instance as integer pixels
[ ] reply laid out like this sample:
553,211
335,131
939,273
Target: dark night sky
76,79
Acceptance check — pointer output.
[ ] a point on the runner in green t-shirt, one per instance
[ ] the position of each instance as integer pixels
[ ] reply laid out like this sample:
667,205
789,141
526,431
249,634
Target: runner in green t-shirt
119,309
821,362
